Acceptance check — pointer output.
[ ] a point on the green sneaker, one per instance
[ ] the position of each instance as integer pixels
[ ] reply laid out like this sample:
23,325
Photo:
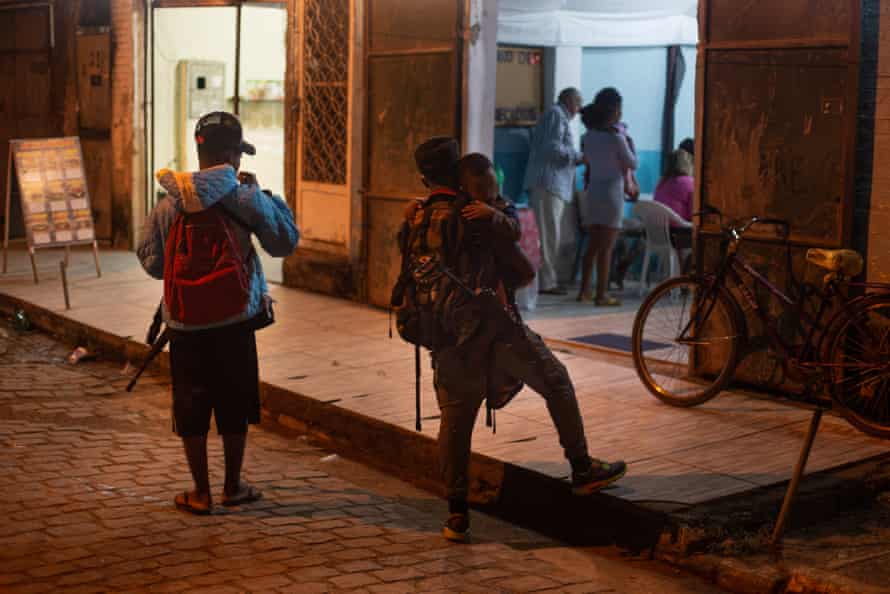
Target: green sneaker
596,476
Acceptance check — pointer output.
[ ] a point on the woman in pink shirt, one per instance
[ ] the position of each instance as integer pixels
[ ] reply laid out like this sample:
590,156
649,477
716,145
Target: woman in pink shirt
675,191
676,187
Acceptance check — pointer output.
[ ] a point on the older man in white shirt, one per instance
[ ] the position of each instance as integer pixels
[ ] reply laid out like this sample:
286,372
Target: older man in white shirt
550,179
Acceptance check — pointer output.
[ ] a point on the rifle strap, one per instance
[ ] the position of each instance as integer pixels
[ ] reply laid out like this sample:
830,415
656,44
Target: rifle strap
156,349
417,386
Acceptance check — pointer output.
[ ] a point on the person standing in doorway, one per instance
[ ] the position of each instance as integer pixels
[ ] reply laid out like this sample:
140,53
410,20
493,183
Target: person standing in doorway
550,180
609,157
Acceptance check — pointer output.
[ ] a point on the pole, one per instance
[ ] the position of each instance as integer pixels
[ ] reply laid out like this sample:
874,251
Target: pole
96,258
8,202
236,100
779,530
33,265
63,266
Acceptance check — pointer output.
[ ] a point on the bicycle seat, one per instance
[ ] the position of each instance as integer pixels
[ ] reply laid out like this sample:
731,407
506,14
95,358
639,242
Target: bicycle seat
847,262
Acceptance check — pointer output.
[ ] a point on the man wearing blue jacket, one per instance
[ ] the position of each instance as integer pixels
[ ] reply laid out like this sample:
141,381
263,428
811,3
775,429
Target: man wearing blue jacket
214,367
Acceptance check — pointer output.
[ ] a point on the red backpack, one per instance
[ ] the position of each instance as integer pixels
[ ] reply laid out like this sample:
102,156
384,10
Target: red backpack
206,280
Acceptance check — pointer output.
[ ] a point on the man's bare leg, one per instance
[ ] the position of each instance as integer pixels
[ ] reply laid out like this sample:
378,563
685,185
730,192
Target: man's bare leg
196,454
235,490
233,448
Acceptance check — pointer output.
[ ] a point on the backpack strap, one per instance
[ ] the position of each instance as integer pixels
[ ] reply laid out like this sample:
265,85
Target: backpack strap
454,234
225,217
424,226
241,223
398,292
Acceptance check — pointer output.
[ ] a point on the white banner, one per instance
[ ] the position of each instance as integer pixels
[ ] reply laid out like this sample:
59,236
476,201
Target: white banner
598,23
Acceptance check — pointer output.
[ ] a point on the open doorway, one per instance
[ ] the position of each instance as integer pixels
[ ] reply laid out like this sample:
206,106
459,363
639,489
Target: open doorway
591,46
207,57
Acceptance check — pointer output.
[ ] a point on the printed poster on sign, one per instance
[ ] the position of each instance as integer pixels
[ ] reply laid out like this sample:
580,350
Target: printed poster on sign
53,190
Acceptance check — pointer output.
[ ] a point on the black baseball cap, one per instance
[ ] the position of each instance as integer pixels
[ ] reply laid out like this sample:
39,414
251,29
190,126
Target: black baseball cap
221,130
437,158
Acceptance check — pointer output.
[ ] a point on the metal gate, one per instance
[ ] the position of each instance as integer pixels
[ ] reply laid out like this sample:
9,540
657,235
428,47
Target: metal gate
323,163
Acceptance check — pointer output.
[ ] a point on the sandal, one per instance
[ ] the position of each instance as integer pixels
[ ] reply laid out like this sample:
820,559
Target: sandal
607,302
247,494
186,502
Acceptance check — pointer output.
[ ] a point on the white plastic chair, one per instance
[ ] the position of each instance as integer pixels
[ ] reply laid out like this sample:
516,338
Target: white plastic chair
657,220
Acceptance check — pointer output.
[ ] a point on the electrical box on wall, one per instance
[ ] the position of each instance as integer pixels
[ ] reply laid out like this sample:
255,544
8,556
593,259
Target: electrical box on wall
520,86
200,88
94,78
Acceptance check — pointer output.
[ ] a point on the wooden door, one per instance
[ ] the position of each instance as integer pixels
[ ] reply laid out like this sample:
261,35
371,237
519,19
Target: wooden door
324,170
414,90
25,82
777,105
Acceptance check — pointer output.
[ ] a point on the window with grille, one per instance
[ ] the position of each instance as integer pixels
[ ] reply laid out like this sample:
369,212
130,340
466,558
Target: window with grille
325,91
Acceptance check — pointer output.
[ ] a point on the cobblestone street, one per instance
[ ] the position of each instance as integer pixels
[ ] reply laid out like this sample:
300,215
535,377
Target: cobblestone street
89,473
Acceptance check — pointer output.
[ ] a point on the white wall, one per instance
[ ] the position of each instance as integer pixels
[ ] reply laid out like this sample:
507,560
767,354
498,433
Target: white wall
685,118
480,64
639,75
209,34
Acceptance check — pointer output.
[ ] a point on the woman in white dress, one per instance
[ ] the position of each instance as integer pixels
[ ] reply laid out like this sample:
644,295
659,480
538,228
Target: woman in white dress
608,156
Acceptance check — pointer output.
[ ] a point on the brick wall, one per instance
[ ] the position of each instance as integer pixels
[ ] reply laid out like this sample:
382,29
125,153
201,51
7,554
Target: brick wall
122,120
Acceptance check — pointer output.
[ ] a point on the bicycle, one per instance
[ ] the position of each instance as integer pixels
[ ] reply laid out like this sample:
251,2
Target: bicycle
690,333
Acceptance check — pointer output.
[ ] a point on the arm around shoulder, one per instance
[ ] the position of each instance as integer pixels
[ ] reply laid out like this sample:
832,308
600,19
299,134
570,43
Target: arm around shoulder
505,221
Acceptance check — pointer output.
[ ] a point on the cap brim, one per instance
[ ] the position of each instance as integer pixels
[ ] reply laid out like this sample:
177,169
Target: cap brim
248,148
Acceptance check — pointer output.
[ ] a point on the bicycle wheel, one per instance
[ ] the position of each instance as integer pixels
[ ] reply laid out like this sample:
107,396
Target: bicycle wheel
859,368
686,341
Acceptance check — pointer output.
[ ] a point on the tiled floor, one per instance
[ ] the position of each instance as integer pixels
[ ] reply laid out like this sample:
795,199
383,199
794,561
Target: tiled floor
335,350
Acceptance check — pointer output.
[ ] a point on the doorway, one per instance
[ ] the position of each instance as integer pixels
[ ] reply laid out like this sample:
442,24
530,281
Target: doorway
207,57
610,50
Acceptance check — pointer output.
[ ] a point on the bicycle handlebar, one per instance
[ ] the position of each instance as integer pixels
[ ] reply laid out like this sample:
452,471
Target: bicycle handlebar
737,230
783,225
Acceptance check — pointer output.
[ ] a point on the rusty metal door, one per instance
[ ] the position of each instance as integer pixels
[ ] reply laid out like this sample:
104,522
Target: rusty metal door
25,83
414,90
777,104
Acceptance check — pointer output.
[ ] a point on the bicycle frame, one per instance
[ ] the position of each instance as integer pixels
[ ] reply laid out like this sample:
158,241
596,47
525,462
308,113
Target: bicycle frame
831,338
812,325
813,328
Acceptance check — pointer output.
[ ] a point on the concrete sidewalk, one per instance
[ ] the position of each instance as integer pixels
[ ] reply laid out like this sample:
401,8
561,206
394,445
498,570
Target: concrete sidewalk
336,361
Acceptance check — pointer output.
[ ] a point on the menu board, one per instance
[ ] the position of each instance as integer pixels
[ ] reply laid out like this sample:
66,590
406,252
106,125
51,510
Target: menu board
53,189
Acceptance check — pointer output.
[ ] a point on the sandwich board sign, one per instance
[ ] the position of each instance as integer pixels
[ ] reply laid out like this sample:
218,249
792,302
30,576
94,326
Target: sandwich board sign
54,196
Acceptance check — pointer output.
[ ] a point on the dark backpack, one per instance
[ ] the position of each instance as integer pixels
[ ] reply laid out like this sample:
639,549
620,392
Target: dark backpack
424,292
433,304
206,278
